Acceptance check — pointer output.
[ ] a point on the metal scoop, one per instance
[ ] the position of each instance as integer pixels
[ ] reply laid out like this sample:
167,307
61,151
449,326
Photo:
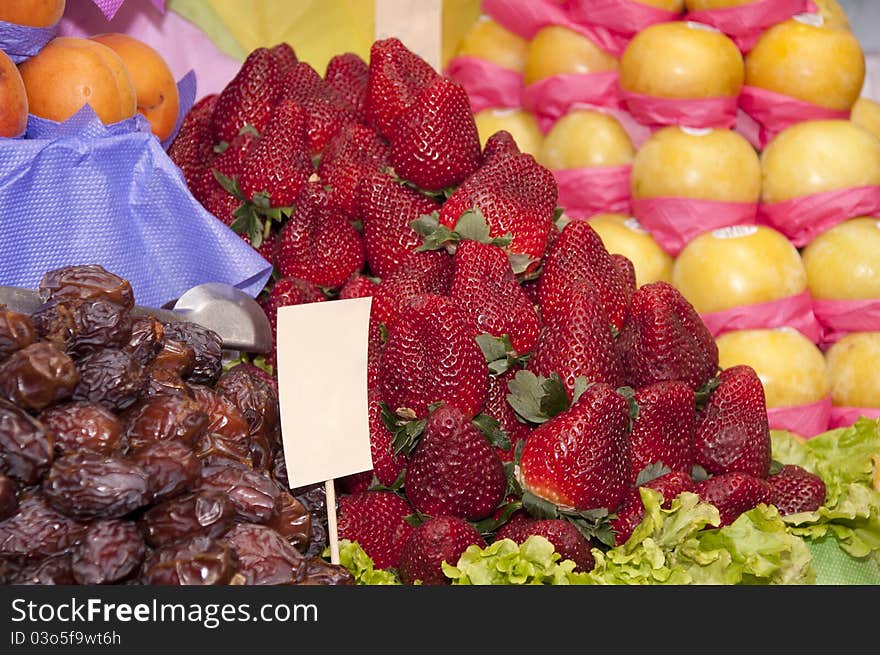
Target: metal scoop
236,317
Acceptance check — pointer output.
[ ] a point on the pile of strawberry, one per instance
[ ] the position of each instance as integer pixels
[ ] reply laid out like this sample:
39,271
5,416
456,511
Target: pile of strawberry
519,382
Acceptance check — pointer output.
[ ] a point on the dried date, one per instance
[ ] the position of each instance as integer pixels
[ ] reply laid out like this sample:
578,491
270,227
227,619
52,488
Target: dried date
37,376
171,466
109,552
8,498
264,557
175,356
224,418
253,494
162,417
164,382
316,571
86,282
55,570
37,531
203,513
26,447
292,521
16,332
215,449
145,342
111,377
255,398
195,561
79,327
207,346
82,425
86,485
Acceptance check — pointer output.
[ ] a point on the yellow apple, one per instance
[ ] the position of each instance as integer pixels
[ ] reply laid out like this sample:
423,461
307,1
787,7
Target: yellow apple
703,164
842,263
490,41
866,113
817,156
790,366
832,13
736,266
853,362
557,50
681,60
623,234
520,123
804,59
586,138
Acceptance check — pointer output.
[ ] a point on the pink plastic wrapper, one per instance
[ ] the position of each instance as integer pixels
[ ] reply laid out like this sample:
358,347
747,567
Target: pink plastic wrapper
584,192
805,420
488,85
838,318
843,417
553,97
773,112
621,16
794,311
716,113
525,18
745,24
674,222
803,219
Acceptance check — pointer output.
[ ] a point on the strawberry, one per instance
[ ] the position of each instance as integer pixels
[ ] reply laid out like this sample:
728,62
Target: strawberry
325,113
436,144
580,458
578,342
485,287
733,493
419,272
279,163
431,356
193,147
358,286
665,339
631,511
354,153
248,99
285,55
228,163
565,537
627,271
396,76
665,427
317,243
733,434
222,204
387,466
437,540
454,470
794,489
284,292
579,255
498,408
347,74
499,144
375,520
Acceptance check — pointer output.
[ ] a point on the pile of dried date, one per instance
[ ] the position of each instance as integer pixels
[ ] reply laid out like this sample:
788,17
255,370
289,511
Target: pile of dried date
130,455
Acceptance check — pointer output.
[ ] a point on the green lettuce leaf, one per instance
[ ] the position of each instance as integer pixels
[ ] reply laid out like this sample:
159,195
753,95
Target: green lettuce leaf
360,565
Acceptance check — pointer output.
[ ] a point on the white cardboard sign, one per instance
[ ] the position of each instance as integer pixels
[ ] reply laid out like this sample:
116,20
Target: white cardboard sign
322,389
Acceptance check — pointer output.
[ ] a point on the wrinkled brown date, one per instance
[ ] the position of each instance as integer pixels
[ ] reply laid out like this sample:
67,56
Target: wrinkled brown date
162,417
26,447
55,570
109,551
316,571
174,356
253,494
8,498
255,398
37,531
111,377
38,376
171,466
207,347
82,425
216,449
264,557
292,521
224,418
146,337
86,485
79,327
165,382
16,332
86,282
205,513
196,561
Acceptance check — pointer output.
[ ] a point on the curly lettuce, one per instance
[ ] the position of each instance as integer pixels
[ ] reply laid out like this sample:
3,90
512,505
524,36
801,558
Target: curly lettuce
360,565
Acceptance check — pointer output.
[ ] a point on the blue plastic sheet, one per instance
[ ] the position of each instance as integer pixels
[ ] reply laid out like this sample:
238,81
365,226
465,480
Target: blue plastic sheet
21,42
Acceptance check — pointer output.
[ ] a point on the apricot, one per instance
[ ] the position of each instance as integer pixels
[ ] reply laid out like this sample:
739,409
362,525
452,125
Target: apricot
33,13
13,99
71,72
156,90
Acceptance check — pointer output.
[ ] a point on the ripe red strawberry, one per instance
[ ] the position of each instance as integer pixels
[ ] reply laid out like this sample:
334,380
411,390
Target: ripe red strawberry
565,537
249,97
580,458
665,427
279,162
285,55
794,489
284,292
419,272
347,74
454,470
387,465
485,287
222,204
325,112
577,342
631,511
318,243
268,244
229,163
500,144
431,356
375,520
665,339
355,153
358,286
498,408
579,255
436,144
193,147
732,429
627,271
396,76
437,540
733,493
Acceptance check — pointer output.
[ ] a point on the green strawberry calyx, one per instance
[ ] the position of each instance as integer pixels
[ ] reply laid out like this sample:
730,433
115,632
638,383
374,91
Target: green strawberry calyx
537,399
499,353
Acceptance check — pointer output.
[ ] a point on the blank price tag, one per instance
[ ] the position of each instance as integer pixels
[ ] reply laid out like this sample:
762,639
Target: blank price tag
322,388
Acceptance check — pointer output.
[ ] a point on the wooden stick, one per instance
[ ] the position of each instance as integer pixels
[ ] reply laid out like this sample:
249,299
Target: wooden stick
417,23
333,533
